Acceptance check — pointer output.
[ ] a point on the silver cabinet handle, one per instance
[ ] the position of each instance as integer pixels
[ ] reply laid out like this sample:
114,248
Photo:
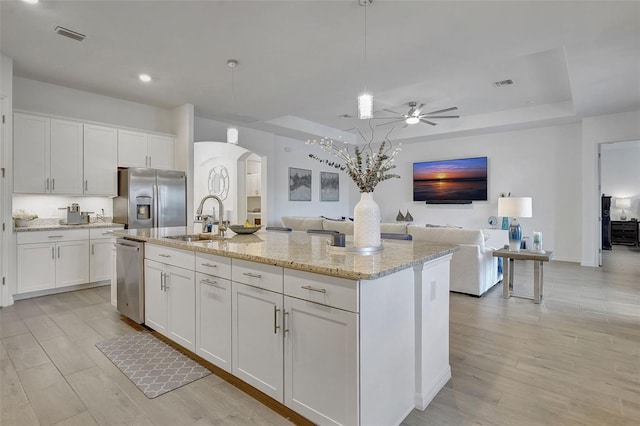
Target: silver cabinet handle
86,185
164,255
92,249
166,279
58,252
55,236
284,321
319,290
210,265
53,184
275,319
161,281
249,274
211,283
46,184
53,253
149,161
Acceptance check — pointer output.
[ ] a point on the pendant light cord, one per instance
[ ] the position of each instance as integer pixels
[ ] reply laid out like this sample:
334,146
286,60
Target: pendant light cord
366,2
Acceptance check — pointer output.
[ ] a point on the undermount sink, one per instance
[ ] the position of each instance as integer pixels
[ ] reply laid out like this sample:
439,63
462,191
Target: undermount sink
195,237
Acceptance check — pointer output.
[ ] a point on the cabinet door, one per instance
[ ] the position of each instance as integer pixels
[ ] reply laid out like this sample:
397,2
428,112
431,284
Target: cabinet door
321,362
155,297
256,330
213,323
66,157
132,149
180,285
100,260
100,160
160,152
31,137
36,267
72,263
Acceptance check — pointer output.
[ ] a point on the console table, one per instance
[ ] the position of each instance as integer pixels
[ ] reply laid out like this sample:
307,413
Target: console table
624,232
507,280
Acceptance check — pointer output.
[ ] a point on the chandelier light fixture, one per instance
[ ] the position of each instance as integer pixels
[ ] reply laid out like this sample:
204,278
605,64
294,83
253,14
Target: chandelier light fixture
232,131
365,99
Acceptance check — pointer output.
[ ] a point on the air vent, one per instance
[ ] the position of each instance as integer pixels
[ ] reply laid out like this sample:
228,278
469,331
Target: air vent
69,33
501,83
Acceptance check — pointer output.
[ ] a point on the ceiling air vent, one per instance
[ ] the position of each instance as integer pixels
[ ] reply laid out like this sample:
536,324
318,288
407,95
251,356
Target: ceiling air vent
69,33
501,83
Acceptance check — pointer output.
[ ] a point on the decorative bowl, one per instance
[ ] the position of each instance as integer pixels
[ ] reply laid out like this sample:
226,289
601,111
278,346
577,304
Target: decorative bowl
241,229
21,223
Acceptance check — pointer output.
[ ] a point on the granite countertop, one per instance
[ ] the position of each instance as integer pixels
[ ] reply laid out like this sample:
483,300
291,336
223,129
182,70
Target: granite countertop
302,251
54,224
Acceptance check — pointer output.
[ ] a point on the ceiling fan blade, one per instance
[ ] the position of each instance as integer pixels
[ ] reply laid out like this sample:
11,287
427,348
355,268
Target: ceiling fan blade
418,110
440,116
384,118
428,122
390,122
393,112
442,110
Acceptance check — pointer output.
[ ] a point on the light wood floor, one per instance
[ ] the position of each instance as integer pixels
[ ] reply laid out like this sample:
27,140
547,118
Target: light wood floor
574,359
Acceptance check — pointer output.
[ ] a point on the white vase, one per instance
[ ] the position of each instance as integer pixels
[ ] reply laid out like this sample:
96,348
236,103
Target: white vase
366,222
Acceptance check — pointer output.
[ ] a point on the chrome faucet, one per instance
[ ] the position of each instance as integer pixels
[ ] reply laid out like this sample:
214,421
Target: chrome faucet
205,222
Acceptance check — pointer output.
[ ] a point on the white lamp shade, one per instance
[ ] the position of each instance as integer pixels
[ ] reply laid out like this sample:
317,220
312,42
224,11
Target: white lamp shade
232,135
365,106
514,206
623,203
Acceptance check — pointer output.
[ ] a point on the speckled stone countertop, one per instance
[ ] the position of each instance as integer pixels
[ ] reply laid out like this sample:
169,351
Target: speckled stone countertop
302,251
54,224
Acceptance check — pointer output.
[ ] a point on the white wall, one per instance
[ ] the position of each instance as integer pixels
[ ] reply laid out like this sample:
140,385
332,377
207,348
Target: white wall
597,130
539,163
45,98
620,175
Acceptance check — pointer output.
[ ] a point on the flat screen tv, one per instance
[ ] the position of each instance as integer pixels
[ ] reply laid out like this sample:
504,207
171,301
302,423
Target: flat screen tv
459,181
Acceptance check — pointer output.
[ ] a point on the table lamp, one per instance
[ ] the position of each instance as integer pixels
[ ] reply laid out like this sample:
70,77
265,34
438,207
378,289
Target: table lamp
623,203
514,207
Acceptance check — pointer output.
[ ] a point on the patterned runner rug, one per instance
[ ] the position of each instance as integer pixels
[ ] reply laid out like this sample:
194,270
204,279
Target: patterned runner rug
152,365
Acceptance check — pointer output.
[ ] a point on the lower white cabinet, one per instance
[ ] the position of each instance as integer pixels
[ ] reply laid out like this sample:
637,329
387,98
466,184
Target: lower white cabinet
52,259
101,254
213,320
321,362
170,302
256,336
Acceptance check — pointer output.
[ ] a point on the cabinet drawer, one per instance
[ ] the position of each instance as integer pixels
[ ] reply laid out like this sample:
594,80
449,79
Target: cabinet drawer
331,291
180,258
211,264
268,277
97,233
52,236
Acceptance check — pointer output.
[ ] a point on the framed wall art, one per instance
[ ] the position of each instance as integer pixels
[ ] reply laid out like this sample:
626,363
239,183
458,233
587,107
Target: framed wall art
299,184
329,186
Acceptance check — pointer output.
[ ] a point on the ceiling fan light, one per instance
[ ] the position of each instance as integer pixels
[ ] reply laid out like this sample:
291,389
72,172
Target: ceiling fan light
365,106
412,120
232,135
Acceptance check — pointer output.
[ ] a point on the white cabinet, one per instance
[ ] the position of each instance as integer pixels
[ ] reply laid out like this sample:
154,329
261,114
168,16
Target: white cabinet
213,320
170,295
47,155
257,338
101,254
100,160
52,259
138,149
321,362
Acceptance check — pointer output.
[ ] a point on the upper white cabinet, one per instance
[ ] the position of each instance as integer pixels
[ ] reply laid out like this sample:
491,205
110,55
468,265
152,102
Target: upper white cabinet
47,155
137,149
100,160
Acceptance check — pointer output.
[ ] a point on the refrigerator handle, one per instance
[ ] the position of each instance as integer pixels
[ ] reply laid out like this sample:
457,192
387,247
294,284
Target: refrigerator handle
156,205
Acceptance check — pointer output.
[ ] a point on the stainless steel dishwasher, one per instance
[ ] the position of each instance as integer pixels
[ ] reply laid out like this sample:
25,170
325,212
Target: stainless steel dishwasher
130,278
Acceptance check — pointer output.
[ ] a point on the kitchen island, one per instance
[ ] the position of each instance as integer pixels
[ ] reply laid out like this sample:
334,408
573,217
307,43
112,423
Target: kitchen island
339,338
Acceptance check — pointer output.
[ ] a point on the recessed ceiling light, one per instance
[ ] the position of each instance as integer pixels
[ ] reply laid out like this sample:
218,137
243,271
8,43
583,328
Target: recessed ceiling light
30,1
144,78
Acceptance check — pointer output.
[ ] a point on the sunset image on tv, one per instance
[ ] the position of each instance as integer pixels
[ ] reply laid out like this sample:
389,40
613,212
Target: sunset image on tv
450,180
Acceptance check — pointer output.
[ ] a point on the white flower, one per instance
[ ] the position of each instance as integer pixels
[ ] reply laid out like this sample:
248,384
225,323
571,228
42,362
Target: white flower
24,214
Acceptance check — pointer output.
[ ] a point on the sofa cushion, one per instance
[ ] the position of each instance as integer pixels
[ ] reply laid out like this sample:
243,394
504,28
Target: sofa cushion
302,223
344,227
447,235
393,228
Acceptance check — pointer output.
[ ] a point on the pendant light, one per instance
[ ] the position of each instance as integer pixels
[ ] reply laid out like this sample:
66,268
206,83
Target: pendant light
365,99
232,131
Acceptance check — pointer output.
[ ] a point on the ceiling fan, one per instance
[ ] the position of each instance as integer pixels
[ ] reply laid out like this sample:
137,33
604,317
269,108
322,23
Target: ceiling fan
415,115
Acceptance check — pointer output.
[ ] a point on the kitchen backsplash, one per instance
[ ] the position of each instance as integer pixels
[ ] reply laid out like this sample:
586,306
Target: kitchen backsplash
46,206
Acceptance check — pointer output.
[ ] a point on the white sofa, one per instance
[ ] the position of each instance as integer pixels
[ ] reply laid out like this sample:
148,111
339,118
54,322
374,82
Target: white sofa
474,270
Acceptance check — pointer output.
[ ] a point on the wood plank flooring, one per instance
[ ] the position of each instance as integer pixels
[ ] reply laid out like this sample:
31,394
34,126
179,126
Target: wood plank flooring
572,360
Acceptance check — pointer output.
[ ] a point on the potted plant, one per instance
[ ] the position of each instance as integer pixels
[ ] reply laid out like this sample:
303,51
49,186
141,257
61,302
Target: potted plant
22,217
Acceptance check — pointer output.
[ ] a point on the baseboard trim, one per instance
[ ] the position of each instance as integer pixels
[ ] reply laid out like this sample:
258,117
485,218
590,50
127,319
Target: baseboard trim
424,399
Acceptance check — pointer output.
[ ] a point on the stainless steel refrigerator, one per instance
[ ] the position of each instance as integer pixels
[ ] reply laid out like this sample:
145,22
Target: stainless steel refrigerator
150,198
